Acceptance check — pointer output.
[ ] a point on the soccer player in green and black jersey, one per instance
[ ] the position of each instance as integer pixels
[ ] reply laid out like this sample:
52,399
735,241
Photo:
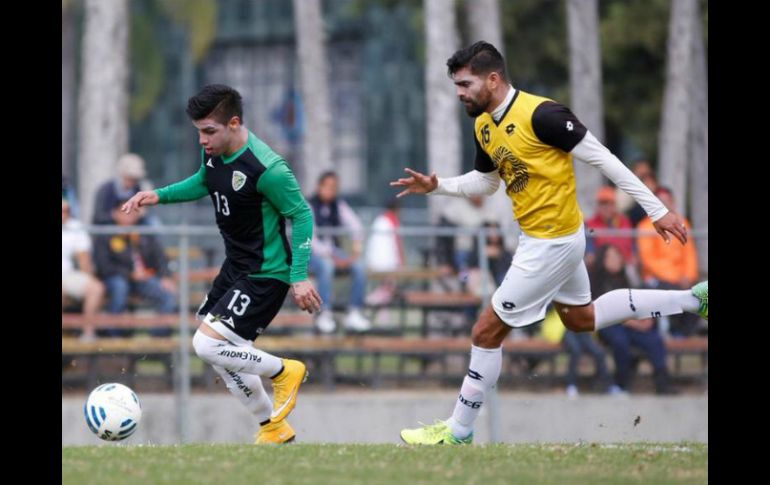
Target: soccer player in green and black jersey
253,191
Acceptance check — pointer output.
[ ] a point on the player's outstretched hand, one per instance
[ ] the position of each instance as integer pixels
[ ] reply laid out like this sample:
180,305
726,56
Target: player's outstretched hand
671,223
306,297
145,197
418,183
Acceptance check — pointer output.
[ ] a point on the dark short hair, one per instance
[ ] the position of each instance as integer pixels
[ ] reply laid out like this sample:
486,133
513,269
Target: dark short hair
393,204
216,101
327,174
481,58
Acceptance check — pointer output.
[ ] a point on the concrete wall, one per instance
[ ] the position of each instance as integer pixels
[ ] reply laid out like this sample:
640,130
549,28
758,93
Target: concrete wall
377,417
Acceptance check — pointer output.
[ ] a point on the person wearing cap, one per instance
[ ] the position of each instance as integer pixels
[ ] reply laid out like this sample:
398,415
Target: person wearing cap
129,181
607,216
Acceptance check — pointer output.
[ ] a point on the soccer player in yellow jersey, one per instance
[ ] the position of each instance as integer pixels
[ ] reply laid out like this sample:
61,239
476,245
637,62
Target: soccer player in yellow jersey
528,141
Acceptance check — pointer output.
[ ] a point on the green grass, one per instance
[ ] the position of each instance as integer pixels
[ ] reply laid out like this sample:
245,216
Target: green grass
387,464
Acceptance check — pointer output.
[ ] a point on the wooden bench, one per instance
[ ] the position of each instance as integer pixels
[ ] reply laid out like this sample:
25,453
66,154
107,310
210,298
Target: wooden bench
112,359
318,352
429,301
133,350
432,350
202,275
678,348
405,274
321,353
193,252
76,321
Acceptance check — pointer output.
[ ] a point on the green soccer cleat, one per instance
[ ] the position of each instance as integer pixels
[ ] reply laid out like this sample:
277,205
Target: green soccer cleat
433,434
701,292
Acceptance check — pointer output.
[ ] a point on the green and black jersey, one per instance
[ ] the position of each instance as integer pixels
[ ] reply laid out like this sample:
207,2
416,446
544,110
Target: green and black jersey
253,191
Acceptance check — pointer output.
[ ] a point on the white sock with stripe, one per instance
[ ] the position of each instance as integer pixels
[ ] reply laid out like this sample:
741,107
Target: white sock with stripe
617,306
483,372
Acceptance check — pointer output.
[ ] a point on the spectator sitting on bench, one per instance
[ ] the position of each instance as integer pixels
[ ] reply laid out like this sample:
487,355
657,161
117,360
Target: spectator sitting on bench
78,282
134,263
328,257
130,179
669,266
466,213
643,333
576,344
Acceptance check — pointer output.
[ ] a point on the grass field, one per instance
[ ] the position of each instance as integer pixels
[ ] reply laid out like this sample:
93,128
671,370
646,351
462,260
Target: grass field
394,465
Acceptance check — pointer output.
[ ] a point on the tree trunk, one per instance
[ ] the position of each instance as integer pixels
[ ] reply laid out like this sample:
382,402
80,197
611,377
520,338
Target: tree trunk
484,22
67,86
699,144
674,128
443,130
313,69
586,87
103,103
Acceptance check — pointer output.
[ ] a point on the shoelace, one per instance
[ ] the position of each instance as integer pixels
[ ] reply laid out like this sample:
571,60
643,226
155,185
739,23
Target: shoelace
434,429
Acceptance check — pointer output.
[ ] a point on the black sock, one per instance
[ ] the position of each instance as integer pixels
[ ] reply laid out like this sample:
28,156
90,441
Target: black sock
278,373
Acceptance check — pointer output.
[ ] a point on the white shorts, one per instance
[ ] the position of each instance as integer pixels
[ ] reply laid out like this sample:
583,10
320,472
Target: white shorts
543,270
73,283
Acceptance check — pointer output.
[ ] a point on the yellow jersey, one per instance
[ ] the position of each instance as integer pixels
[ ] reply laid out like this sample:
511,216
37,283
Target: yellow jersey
530,148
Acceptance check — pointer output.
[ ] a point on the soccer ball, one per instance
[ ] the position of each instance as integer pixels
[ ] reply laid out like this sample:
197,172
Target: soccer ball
112,412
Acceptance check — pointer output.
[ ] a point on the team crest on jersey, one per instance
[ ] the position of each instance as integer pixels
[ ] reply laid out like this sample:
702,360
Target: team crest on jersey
239,178
512,170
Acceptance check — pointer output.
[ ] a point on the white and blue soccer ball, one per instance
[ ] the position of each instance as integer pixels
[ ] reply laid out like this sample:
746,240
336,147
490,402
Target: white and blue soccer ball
113,412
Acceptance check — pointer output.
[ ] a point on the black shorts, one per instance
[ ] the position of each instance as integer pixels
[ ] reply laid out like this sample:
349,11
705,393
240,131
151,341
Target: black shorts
244,305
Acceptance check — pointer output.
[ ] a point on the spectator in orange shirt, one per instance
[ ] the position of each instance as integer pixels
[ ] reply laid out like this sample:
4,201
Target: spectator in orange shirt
668,266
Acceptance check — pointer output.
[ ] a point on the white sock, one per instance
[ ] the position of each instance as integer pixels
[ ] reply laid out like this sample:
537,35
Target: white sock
618,306
248,389
483,371
237,358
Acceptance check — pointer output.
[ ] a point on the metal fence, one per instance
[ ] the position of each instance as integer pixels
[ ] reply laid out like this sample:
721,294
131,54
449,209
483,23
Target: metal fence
186,235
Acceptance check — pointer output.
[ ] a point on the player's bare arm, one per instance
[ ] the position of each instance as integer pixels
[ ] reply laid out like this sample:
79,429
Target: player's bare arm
671,223
141,199
306,297
418,183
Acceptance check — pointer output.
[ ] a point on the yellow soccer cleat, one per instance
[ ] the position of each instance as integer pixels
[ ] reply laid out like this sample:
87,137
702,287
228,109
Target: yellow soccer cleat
275,433
285,388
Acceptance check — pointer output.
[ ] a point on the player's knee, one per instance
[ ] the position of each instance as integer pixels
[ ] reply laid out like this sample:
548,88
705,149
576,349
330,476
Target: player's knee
95,287
577,318
579,323
198,344
202,345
